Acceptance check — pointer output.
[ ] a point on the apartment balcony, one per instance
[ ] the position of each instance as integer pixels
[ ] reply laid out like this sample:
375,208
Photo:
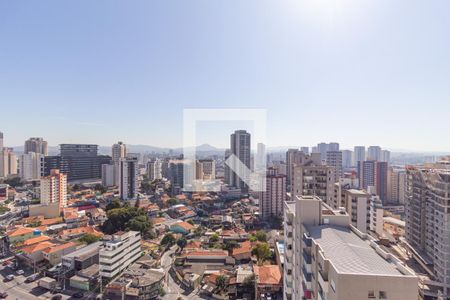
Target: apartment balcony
323,282
306,240
307,266
306,258
321,296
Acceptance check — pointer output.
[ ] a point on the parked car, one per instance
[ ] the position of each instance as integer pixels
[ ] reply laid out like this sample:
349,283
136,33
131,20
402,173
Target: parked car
78,295
9,277
32,278
20,272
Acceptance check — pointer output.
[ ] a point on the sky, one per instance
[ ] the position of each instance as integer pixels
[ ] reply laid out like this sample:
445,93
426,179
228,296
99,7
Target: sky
352,71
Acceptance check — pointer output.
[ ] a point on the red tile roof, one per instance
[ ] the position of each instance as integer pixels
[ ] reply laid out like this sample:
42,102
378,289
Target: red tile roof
269,274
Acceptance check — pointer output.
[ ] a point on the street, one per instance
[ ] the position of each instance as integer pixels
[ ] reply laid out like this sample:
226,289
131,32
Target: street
18,289
172,288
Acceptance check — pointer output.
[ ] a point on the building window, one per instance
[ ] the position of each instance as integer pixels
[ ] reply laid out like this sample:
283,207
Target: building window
371,295
382,295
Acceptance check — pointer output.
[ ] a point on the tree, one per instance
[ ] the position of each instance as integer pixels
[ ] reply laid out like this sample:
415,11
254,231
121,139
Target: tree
172,201
214,238
100,188
198,231
168,240
262,252
190,221
126,218
249,281
182,242
114,204
230,245
89,238
13,182
221,282
139,223
261,236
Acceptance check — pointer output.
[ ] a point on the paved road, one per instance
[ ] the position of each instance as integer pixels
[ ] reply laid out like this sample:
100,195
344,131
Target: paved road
18,289
173,290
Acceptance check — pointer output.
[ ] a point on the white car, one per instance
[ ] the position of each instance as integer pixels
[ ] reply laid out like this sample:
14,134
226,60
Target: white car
20,272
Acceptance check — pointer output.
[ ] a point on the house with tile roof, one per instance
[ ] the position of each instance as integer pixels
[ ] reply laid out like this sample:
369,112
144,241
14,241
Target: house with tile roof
20,234
181,227
268,280
33,254
55,253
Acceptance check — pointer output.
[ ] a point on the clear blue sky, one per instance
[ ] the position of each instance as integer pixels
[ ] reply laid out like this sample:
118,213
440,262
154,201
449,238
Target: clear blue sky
356,72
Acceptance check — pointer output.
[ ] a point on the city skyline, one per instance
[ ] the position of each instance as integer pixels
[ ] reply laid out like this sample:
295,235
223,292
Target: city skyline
117,74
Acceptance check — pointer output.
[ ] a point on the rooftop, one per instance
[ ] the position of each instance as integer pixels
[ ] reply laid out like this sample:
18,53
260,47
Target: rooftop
349,253
269,274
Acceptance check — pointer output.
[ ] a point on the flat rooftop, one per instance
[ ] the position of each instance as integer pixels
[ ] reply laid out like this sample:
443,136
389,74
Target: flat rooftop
349,253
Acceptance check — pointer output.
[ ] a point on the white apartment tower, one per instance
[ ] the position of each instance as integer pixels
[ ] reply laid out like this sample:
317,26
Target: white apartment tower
427,211
327,258
154,169
54,189
334,159
374,153
31,166
311,178
359,154
128,178
347,159
118,151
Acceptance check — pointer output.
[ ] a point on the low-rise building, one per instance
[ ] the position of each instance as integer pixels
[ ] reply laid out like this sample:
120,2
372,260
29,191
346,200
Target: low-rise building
268,281
54,254
118,252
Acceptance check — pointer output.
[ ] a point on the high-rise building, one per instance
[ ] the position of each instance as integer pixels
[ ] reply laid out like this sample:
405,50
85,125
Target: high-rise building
205,169
323,148
293,157
31,166
311,178
386,156
396,185
1,141
54,189
36,145
78,161
304,150
427,217
374,173
118,151
128,175
176,175
374,153
154,169
359,154
227,170
334,159
8,162
347,159
240,146
271,200
260,158
328,258
108,175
